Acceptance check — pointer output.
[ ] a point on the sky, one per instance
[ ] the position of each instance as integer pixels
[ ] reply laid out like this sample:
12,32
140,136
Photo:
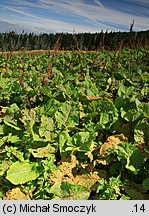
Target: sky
51,16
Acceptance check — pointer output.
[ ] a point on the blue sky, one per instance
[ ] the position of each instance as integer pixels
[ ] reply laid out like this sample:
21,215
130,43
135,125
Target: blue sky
79,15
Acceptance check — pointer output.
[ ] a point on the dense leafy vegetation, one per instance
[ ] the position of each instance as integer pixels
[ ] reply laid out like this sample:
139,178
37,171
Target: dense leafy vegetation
75,125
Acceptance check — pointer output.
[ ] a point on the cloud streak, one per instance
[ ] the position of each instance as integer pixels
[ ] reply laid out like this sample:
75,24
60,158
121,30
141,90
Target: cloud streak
81,15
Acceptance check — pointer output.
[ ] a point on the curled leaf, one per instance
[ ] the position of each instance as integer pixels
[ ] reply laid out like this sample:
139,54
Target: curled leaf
111,141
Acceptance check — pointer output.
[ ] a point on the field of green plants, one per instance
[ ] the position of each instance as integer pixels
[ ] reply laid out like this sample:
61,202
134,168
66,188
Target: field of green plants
74,126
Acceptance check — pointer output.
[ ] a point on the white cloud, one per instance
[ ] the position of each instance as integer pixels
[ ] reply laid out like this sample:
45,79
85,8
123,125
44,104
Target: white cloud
92,17
141,2
38,24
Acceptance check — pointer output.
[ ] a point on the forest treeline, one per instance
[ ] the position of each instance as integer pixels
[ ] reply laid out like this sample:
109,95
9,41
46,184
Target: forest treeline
82,41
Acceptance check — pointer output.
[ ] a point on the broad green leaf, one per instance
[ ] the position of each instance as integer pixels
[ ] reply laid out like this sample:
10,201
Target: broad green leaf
48,167
108,119
134,158
13,108
71,91
82,141
67,115
63,139
109,189
67,191
74,125
10,138
50,107
88,87
146,110
46,127
1,129
46,90
127,115
22,172
29,118
137,159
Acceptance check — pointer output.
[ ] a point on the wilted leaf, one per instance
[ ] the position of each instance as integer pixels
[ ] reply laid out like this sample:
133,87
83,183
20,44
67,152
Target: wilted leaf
45,152
64,171
94,98
121,137
86,180
112,141
16,194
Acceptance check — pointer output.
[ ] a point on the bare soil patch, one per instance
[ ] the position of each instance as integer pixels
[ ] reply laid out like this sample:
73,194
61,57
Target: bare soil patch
31,51
38,51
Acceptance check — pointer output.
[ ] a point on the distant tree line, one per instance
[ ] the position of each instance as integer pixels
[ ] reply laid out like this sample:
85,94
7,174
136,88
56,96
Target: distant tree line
81,41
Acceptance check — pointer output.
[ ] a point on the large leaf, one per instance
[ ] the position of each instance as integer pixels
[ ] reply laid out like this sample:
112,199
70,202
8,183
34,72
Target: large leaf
108,118
63,139
87,180
28,119
67,191
88,87
132,155
50,107
22,172
82,141
46,127
67,115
